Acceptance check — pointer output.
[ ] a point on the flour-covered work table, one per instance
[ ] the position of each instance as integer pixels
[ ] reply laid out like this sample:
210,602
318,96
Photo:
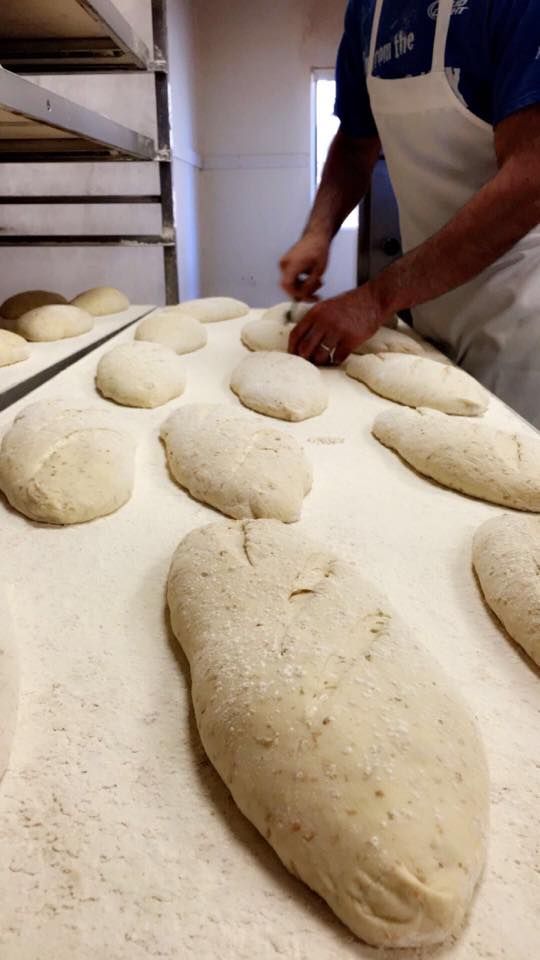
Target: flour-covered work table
48,359
117,838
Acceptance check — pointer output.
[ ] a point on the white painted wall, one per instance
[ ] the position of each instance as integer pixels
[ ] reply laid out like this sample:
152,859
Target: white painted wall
254,107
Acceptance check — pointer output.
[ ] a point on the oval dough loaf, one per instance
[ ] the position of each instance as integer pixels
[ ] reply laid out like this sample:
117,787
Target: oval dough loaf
101,301
280,385
20,303
388,340
54,322
13,348
420,382
272,330
214,309
141,375
64,465
506,557
337,734
180,332
9,682
232,463
466,455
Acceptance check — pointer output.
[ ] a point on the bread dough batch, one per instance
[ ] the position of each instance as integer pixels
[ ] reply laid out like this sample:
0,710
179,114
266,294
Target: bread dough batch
323,715
13,348
235,464
506,557
330,726
63,465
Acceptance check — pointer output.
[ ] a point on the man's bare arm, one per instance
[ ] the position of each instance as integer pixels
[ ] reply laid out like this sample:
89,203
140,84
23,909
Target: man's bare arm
488,226
344,182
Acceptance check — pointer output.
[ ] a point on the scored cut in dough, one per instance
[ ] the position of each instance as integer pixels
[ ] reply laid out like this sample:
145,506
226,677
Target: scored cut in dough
180,332
9,681
60,464
57,321
232,463
20,303
141,374
420,382
101,301
213,309
506,557
469,456
280,385
338,736
388,340
13,348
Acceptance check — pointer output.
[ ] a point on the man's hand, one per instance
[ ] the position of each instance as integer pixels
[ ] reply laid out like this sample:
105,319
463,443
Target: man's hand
341,324
309,257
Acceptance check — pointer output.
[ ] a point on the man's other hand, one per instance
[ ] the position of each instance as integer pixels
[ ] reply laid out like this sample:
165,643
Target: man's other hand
303,266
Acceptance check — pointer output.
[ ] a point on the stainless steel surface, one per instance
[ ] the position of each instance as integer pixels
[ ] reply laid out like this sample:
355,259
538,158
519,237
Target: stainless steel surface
34,121
66,35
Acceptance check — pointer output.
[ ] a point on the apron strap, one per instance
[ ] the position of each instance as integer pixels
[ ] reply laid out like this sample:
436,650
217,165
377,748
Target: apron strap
374,35
441,35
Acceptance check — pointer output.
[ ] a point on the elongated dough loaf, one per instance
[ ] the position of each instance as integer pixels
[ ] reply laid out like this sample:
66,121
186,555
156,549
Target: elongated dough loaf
214,309
61,464
13,348
231,462
466,455
141,374
506,557
420,382
280,385
101,301
337,734
180,332
54,322
388,340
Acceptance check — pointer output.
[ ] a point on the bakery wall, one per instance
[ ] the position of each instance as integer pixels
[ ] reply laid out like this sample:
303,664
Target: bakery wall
254,109
128,99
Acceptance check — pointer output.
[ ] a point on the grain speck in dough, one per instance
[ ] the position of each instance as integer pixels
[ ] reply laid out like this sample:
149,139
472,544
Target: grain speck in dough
466,455
420,382
61,464
231,462
337,735
101,301
506,557
13,348
213,309
280,385
20,303
141,374
54,322
180,332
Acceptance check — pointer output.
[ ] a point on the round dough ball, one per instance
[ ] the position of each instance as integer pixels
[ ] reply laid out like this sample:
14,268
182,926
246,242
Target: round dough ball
180,332
101,301
20,303
213,309
280,385
141,375
55,322
13,348
60,464
272,330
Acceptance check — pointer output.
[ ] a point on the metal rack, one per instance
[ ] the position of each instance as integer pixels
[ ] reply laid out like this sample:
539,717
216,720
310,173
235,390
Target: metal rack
71,36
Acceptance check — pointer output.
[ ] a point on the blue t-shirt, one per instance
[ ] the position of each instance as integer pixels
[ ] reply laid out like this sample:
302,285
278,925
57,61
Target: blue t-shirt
492,55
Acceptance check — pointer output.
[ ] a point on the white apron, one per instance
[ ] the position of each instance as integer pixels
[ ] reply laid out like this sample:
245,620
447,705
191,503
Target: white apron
439,154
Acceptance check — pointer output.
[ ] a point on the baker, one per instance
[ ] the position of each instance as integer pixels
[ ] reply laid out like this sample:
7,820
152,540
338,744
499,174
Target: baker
451,90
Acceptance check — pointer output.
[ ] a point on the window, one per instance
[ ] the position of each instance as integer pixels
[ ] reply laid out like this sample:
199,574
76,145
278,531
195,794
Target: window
325,127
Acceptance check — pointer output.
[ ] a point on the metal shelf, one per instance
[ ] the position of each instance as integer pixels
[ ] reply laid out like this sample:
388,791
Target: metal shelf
86,240
36,124
37,36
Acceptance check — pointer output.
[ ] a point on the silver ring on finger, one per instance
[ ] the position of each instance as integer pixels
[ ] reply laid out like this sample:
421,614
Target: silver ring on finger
331,351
